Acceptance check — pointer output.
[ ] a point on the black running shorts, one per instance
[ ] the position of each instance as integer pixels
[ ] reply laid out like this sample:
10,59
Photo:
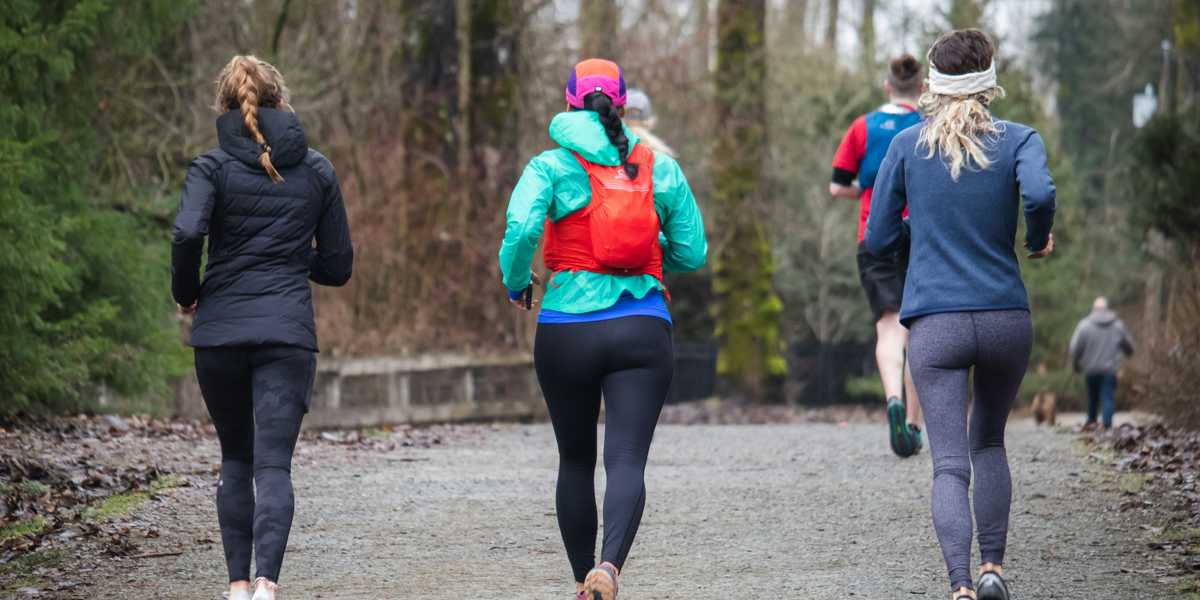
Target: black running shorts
882,279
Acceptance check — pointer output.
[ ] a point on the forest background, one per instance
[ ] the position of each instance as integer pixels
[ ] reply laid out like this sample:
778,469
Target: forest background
430,108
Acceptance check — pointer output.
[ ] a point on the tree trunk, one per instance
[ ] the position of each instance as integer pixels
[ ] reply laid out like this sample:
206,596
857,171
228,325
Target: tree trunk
831,25
867,36
796,17
462,122
746,311
965,14
600,22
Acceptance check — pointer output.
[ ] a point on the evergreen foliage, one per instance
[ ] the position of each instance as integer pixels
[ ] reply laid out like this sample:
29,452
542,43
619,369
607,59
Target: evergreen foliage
83,287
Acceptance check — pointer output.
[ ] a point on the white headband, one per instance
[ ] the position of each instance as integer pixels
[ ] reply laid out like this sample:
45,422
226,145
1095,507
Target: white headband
961,85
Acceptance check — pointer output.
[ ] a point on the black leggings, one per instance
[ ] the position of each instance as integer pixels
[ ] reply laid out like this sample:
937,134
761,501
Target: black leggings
630,360
257,397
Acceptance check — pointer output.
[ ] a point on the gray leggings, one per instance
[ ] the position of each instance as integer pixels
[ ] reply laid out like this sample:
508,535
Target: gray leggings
942,349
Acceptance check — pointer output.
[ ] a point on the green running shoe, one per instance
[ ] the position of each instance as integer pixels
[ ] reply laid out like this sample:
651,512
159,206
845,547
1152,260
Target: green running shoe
898,429
914,434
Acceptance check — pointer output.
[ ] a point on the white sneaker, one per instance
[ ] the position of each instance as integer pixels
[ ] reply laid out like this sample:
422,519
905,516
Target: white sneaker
238,595
265,590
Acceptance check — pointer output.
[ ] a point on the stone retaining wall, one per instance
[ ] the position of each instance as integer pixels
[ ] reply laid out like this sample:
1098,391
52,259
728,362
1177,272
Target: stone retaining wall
365,392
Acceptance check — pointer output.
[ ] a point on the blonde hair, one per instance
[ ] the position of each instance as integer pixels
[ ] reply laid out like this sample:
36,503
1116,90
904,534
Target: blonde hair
959,128
247,83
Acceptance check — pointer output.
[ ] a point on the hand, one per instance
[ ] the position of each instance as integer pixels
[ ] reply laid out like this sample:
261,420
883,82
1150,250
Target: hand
187,310
524,300
1044,252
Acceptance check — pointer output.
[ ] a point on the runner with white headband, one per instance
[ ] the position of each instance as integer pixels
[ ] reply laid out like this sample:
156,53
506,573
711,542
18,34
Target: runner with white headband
963,176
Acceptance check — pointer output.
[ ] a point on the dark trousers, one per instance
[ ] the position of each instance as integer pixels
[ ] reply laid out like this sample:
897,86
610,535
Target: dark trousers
257,397
1101,389
630,361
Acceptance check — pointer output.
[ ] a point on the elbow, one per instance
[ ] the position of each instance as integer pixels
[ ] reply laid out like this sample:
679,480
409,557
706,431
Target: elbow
1042,200
332,271
694,261
343,271
340,278
692,264
186,236
875,244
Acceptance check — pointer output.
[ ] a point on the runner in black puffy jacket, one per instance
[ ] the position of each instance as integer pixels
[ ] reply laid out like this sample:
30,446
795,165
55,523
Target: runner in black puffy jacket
262,198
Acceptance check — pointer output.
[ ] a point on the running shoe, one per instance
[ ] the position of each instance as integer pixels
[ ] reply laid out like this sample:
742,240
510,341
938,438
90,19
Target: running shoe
898,429
963,593
265,589
601,583
238,595
914,434
991,586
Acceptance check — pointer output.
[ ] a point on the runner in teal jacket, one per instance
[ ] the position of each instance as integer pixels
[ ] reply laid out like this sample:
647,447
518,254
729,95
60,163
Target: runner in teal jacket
600,337
554,184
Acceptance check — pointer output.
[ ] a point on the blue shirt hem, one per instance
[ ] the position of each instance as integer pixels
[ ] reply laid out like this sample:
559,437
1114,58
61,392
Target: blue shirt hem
652,305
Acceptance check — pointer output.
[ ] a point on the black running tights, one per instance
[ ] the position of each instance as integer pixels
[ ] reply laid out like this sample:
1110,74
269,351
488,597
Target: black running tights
630,362
257,397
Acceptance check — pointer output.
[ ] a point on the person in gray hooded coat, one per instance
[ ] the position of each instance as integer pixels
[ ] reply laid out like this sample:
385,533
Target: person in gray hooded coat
1099,344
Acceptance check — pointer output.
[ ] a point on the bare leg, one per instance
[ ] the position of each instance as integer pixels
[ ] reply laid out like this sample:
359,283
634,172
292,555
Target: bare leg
915,417
891,338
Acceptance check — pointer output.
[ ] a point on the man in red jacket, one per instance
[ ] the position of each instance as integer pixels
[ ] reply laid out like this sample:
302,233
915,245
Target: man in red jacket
859,156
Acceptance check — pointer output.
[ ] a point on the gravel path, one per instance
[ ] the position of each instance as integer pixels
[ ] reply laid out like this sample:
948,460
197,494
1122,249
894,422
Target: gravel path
733,512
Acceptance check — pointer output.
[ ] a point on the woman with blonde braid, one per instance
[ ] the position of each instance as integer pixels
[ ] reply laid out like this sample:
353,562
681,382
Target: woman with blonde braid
964,175
262,198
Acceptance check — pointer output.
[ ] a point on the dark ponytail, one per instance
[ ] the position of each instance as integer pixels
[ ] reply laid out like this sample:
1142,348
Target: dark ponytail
611,119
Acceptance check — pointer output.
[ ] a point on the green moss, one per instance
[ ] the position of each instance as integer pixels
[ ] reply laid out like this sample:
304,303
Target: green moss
19,572
1190,587
167,482
865,386
32,488
21,528
119,505
1180,534
1132,483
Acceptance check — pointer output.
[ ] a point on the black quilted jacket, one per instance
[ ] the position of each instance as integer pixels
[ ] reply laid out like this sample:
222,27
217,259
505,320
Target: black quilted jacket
266,240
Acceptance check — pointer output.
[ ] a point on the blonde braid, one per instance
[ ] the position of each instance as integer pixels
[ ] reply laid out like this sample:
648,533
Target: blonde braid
246,83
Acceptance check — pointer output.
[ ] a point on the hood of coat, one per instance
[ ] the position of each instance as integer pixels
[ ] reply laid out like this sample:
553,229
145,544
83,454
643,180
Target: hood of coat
281,128
1103,317
582,132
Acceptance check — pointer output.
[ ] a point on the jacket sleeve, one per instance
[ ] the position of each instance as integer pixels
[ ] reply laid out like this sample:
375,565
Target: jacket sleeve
525,218
1037,191
685,246
333,260
1075,349
191,226
1126,339
849,155
885,222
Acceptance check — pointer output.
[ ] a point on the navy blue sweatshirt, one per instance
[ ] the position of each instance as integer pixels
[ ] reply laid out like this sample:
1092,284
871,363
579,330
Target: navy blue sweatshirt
963,232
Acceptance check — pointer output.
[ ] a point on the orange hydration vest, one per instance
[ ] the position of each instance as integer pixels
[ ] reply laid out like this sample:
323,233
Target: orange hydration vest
617,232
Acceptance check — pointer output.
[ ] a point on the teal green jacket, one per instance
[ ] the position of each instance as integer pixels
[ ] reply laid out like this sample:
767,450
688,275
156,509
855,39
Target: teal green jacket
555,185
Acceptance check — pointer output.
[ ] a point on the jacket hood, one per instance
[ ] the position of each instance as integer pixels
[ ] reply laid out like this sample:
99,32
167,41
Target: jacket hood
1103,318
281,128
581,131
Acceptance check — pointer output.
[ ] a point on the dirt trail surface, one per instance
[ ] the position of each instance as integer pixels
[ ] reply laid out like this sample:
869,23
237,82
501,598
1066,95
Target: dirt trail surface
815,511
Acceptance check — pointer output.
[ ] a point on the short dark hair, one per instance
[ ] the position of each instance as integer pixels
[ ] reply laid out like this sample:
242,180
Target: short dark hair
904,75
